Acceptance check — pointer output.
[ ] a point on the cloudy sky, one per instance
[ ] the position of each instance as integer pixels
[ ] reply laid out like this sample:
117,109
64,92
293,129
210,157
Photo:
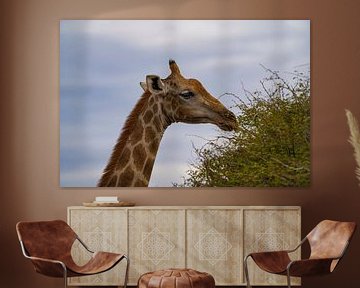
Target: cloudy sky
102,63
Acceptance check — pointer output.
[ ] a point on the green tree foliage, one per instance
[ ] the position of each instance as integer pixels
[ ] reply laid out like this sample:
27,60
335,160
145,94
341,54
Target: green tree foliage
272,145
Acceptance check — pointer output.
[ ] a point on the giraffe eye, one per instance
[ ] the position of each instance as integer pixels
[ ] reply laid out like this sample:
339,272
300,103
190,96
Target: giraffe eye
186,94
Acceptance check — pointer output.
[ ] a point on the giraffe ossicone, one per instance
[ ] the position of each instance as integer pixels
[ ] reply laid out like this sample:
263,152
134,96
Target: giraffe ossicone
164,101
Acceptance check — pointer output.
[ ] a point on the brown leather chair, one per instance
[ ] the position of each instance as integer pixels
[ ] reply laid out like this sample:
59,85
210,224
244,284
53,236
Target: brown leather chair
328,242
48,245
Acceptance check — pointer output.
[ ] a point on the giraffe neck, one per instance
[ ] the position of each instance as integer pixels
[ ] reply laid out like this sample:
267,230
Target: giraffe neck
134,154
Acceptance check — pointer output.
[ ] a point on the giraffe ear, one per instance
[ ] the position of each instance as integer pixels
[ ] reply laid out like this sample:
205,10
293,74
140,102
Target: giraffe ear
154,84
143,86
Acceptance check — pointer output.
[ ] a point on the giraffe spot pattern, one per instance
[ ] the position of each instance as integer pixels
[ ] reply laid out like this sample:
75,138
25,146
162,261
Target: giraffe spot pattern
151,101
153,147
148,116
148,168
136,136
140,183
150,134
124,158
112,182
139,156
157,124
126,177
155,108
168,110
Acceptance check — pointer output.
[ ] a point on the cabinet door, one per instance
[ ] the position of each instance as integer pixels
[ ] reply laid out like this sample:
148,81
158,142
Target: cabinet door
214,244
101,230
269,230
156,240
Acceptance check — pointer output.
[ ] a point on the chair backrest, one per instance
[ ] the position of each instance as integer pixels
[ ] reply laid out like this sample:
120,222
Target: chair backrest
46,239
329,239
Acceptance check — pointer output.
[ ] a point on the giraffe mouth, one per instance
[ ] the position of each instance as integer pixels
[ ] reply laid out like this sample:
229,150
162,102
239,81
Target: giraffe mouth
228,122
228,126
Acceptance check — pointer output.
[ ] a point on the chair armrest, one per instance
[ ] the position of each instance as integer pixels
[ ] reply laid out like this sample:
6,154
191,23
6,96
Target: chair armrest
281,251
45,260
84,245
269,253
48,267
309,267
271,261
298,246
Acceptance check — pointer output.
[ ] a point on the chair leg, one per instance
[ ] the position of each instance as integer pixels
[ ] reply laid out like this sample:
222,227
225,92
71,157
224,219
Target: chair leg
127,271
65,275
246,272
288,278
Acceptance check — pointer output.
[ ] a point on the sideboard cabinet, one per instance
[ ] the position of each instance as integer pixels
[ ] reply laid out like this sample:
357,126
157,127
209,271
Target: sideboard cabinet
211,239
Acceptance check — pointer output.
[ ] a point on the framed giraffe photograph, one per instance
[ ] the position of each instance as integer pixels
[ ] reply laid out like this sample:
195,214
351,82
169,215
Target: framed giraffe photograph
185,103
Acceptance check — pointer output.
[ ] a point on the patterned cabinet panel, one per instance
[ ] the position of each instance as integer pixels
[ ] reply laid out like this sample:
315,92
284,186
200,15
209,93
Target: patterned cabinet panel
210,239
214,244
156,240
271,229
101,230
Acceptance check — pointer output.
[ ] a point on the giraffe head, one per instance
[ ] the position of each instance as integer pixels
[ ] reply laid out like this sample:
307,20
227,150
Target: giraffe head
186,100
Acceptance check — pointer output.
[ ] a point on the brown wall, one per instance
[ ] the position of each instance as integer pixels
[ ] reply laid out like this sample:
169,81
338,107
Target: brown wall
29,119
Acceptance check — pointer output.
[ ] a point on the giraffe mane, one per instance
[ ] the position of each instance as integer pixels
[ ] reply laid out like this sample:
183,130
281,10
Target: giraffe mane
124,135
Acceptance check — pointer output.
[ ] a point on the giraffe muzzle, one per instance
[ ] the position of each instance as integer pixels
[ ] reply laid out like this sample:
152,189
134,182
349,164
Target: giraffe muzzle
229,122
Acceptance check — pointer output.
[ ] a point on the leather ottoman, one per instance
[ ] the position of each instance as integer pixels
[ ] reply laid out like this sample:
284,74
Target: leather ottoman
176,278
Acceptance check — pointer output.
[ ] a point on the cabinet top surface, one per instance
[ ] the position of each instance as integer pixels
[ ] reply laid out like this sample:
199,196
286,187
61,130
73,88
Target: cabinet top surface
193,207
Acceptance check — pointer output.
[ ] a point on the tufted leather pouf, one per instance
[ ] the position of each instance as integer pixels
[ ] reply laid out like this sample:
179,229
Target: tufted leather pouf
176,278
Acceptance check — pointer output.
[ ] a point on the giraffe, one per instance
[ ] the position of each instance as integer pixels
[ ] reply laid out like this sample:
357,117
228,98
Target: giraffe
164,101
